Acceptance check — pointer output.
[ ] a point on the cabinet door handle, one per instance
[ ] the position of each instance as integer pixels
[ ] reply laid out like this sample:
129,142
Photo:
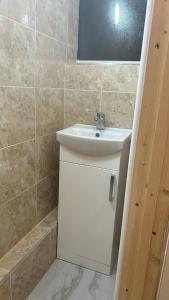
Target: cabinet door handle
112,192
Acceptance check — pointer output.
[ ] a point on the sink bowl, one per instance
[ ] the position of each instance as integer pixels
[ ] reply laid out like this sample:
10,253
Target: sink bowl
87,140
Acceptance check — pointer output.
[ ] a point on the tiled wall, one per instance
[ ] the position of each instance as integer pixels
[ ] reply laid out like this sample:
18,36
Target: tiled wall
37,37
43,89
25,264
108,88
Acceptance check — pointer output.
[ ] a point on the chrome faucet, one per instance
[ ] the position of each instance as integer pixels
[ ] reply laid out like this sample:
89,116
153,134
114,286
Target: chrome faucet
100,120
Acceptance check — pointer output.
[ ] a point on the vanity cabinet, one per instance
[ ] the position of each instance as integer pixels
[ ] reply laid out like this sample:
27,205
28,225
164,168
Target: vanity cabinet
91,196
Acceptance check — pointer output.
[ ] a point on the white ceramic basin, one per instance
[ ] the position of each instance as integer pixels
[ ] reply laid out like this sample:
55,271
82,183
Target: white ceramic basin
88,140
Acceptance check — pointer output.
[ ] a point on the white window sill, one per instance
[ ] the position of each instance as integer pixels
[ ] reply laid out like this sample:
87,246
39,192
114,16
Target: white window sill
94,62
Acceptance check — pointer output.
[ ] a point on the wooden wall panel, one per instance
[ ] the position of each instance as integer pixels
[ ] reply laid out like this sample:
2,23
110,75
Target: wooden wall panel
163,290
141,267
160,229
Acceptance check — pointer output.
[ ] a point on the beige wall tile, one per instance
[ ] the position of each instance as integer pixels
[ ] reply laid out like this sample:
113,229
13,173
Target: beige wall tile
3,274
16,72
17,170
51,18
22,11
51,220
49,110
34,237
73,22
16,40
17,218
47,156
81,106
84,77
30,271
120,78
17,51
47,196
71,55
17,115
119,109
49,74
41,259
49,49
35,60
53,245
5,289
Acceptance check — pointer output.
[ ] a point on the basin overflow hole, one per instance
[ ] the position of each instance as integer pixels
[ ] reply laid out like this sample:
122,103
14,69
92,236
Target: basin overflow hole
97,135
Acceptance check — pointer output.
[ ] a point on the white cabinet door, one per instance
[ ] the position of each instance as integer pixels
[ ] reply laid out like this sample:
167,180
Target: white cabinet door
86,215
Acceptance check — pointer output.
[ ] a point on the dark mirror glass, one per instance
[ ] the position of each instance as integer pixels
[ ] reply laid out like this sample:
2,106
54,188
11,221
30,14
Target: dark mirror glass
111,30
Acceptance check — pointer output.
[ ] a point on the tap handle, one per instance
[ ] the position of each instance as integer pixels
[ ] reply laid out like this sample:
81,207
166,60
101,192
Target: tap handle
102,116
96,116
99,115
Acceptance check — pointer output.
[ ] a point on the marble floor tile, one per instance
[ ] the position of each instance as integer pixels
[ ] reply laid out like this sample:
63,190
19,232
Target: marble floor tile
66,281
33,297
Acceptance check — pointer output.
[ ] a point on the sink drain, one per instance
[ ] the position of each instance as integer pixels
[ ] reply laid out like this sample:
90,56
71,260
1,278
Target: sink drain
97,135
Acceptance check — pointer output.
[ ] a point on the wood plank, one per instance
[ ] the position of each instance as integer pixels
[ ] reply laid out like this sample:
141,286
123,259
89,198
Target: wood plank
151,199
160,229
148,163
163,290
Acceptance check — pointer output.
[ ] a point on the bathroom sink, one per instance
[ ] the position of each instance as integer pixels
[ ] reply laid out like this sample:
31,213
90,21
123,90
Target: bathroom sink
87,140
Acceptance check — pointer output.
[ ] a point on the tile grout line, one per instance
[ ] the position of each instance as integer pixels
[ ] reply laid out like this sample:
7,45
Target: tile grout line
27,189
17,144
31,87
52,38
69,89
64,81
29,140
98,90
102,79
64,97
10,280
33,29
50,248
44,178
36,144
18,195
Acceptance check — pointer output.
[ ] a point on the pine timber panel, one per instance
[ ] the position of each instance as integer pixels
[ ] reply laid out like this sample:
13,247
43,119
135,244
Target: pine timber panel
138,263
